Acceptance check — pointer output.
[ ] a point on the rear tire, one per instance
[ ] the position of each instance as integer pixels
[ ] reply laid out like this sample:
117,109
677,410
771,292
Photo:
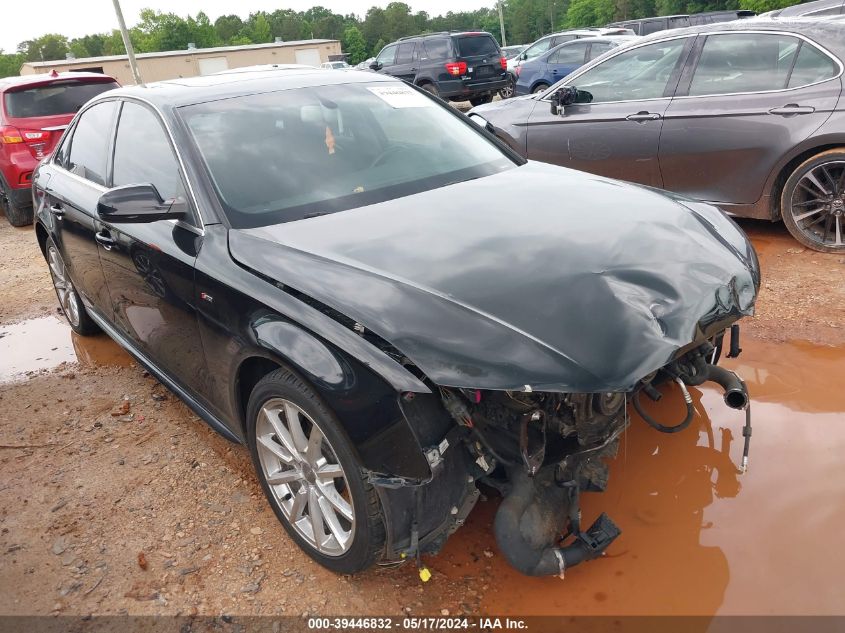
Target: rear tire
431,89
477,101
72,306
539,88
15,214
320,494
508,90
812,202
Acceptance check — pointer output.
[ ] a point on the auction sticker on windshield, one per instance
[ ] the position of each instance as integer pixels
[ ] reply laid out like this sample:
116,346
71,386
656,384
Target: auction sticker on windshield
401,96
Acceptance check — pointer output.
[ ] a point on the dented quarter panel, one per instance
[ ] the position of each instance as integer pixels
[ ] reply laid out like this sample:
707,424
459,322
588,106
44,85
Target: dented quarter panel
546,291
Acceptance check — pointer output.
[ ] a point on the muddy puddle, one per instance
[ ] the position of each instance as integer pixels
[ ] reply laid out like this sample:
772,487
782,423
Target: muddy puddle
45,343
699,537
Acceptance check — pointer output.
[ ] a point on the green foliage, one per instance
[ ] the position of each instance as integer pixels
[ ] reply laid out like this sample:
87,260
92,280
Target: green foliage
354,44
525,21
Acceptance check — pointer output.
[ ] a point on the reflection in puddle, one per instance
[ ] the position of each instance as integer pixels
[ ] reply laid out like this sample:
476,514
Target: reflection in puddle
698,537
46,342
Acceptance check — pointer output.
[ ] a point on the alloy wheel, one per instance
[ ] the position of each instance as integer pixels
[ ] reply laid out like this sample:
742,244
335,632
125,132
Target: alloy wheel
507,91
306,478
64,288
817,204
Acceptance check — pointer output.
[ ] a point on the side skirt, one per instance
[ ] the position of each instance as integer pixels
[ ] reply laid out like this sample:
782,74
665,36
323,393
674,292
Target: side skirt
207,416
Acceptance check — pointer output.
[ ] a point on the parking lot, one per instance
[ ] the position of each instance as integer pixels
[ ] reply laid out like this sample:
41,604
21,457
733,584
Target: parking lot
116,498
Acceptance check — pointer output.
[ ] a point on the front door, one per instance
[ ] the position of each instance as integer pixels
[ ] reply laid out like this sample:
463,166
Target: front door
150,266
617,133
79,173
748,101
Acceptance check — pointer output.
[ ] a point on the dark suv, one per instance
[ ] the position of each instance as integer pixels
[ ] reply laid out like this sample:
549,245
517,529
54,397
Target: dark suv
466,66
34,111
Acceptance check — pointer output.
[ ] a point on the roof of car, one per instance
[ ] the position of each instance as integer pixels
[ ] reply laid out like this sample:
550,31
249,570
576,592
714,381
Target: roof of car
828,33
190,90
806,8
40,78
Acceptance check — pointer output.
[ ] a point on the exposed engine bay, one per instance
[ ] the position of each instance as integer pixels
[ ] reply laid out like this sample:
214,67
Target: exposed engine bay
541,450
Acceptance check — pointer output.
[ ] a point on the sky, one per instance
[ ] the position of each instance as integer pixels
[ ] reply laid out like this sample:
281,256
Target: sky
23,20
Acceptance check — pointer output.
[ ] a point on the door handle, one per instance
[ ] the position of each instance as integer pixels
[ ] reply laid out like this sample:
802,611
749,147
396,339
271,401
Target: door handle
792,108
57,210
643,116
104,240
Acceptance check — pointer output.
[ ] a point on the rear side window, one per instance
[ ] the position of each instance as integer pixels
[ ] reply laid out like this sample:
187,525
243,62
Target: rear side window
744,62
59,97
90,143
600,48
142,153
438,48
569,54
406,53
477,45
560,39
811,66
653,26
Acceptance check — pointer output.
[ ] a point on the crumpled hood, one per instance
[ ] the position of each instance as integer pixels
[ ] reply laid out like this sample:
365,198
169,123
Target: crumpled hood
538,276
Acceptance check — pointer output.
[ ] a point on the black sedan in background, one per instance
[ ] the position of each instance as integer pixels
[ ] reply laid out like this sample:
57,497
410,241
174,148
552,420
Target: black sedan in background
746,115
385,303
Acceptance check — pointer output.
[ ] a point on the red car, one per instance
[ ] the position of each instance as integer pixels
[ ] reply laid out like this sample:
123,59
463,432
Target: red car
34,111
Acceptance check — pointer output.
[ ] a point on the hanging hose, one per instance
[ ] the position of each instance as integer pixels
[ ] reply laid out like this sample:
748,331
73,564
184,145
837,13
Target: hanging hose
660,427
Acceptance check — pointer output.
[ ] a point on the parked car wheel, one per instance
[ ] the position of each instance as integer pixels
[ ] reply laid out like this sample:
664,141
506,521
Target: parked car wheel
310,475
15,214
72,306
481,100
507,91
539,88
431,89
813,202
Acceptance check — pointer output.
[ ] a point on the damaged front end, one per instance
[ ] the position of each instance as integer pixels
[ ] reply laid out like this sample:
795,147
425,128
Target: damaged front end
541,450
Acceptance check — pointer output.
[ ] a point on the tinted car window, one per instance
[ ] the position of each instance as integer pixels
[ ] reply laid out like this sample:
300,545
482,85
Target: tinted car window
89,145
653,26
405,53
569,54
600,48
811,66
387,55
639,73
743,62
476,45
438,48
355,145
538,48
560,39
59,97
143,155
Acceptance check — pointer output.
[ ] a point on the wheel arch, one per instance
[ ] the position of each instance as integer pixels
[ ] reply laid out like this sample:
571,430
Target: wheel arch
790,162
42,235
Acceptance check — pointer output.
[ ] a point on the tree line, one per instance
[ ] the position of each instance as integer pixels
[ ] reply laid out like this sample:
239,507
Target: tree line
525,21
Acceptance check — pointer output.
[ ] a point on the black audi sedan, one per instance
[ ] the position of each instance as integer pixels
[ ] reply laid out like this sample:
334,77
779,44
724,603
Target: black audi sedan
385,304
747,115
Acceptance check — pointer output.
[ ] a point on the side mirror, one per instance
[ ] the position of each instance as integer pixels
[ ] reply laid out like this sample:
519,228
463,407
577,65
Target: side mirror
376,65
136,204
567,95
523,56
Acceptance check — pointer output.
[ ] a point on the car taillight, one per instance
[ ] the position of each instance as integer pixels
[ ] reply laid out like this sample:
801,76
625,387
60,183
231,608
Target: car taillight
456,69
504,62
10,135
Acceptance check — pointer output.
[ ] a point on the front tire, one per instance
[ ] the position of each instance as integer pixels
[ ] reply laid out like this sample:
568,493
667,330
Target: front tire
539,88
813,202
72,306
311,476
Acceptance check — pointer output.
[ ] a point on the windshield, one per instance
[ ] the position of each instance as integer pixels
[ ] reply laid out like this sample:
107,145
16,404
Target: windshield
59,97
294,154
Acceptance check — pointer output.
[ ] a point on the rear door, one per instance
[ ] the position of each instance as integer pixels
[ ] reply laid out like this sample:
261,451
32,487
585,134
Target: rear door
618,133
482,56
77,179
565,59
746,102
150,266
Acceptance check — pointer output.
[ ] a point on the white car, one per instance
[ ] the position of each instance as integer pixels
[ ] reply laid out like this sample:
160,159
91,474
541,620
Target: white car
340,65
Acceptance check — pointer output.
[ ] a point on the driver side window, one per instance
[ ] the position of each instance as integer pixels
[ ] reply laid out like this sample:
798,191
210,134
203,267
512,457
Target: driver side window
640,73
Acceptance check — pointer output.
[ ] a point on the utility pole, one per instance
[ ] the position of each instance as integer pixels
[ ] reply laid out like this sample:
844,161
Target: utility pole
130,52
502,23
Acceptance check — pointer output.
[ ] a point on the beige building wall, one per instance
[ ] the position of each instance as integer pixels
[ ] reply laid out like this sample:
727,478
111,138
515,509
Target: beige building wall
175,64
